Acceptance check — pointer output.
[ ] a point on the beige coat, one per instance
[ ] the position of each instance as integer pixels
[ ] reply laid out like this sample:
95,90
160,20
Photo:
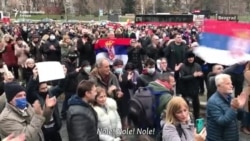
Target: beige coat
2,102
22,53
13,120
246,88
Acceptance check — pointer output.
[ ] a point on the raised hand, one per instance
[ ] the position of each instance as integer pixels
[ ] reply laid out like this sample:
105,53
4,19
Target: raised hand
50,102
130,75
242,99
8,76
111,89
11,137
37,108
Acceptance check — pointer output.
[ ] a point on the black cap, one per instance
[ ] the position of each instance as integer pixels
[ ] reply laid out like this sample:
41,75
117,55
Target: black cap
11,89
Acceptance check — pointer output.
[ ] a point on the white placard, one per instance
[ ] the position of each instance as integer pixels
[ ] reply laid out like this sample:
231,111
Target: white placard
50,70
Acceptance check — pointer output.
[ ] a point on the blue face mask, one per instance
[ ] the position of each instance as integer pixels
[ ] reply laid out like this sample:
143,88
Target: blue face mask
21,103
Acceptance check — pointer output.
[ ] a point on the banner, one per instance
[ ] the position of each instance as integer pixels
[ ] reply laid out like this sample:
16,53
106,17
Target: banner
224,43
112,49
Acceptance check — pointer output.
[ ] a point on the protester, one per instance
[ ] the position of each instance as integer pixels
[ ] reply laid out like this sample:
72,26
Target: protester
108,117
103,77
18,109
81,117
190,75
146,52
222,111
211,89
178,124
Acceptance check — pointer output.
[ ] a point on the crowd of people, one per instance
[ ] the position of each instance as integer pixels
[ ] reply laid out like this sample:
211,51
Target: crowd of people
98,92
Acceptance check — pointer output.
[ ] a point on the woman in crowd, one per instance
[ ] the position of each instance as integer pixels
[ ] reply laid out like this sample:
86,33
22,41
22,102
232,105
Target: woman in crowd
66,46
178,125
109,122
28,69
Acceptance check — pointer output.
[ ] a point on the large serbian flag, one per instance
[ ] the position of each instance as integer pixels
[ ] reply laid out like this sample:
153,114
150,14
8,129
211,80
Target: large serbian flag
112,49
224,42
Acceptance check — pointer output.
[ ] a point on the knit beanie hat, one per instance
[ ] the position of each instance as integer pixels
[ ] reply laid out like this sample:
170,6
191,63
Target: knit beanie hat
11,89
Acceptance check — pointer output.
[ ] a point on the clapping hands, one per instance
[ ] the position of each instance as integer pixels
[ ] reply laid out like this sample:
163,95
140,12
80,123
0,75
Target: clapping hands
239,101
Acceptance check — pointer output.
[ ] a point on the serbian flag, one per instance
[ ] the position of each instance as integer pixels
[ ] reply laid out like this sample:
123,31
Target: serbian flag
112,49
224,42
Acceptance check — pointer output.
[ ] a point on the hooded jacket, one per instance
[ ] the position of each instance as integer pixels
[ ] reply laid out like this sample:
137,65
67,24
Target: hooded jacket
81,120
162,95
166,92
189,83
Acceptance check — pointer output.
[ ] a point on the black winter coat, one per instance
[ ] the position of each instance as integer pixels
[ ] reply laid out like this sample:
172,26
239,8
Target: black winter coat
189,84
81,121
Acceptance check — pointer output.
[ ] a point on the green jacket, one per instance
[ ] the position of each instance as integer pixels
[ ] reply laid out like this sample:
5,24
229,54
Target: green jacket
165,95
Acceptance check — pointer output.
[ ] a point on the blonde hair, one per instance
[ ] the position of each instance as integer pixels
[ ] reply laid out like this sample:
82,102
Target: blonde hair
65,37
99,90
172,107
30,60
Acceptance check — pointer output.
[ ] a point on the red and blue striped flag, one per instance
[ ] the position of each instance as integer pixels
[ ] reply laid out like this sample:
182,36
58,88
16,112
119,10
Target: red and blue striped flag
224,42
112,49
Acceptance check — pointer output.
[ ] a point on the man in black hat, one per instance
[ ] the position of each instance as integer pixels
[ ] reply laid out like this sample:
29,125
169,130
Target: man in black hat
19,117
190,75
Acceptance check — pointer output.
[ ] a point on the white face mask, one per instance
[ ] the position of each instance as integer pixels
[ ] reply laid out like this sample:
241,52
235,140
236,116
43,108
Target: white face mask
52,37
87,69
25,28
151,70
118,70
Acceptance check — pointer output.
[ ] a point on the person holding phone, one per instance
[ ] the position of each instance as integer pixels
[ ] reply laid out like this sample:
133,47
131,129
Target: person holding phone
178,124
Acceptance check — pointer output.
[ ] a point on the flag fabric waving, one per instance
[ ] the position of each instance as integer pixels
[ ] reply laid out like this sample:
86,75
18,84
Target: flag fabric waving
224,42
112,49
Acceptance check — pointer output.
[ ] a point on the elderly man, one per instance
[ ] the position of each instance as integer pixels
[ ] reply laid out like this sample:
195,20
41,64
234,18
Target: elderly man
103,77
222,111
19,117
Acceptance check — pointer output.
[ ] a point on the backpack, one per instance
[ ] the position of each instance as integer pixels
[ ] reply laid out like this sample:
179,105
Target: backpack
143,108
140,108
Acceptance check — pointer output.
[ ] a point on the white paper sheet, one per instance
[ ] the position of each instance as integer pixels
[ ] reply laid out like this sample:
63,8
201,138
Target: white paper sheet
50,70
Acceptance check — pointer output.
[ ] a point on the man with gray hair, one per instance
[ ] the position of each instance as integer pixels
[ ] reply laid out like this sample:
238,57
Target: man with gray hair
103,77
222,111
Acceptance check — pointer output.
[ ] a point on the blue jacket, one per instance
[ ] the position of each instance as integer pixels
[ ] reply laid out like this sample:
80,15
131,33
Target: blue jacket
221,120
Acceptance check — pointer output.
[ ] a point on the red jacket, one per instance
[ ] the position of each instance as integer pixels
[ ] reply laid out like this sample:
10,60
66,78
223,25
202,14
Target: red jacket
9,55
